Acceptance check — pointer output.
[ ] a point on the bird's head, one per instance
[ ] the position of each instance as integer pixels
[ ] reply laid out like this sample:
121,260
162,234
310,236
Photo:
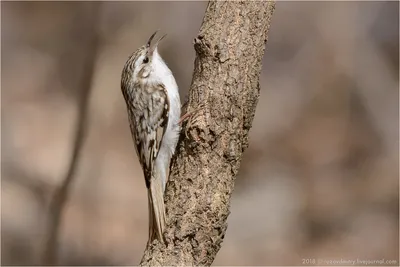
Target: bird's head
143,64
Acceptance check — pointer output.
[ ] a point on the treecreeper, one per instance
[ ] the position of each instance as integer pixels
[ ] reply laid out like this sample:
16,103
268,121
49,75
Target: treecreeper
154,108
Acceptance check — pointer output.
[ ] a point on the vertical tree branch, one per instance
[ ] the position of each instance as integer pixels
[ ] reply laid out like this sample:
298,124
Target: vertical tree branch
61,194
229,49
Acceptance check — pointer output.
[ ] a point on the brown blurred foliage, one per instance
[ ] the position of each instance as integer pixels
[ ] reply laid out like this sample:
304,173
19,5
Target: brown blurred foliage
319,180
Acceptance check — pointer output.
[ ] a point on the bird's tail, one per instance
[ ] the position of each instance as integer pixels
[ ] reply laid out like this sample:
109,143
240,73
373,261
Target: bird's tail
156,210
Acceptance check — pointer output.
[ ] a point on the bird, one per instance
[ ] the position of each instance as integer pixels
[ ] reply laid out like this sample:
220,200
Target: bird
153,105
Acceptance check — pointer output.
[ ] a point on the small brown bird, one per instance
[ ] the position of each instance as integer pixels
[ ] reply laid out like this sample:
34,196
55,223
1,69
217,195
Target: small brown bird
152,99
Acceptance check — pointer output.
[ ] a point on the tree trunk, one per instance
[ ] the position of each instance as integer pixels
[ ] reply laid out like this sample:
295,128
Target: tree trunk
225,84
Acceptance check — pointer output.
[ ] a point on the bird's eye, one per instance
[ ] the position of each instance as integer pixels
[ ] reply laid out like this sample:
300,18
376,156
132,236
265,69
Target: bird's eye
146,60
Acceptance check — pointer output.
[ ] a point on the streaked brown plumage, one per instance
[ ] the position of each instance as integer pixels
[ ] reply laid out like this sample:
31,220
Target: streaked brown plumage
153,106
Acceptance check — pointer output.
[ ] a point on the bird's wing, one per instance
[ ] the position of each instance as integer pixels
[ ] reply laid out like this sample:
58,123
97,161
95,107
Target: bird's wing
150,129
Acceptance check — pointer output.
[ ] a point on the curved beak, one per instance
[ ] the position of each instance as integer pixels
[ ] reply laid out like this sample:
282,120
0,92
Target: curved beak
151,38
153,47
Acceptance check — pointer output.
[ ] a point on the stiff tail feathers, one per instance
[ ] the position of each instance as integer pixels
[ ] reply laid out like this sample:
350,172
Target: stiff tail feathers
156,210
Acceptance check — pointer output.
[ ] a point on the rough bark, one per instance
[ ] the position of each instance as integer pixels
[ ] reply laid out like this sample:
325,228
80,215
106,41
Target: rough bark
229,50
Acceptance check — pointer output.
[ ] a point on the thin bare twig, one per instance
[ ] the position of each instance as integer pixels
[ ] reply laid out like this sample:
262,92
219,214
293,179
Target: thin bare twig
61,194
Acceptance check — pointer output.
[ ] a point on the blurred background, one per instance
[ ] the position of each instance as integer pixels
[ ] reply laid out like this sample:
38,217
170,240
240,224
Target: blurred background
319,180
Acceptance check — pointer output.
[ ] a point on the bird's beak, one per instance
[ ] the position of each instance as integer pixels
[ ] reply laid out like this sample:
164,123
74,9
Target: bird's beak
153,47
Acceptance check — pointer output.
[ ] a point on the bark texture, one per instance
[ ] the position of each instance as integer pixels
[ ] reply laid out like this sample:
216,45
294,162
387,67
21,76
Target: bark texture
229,50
